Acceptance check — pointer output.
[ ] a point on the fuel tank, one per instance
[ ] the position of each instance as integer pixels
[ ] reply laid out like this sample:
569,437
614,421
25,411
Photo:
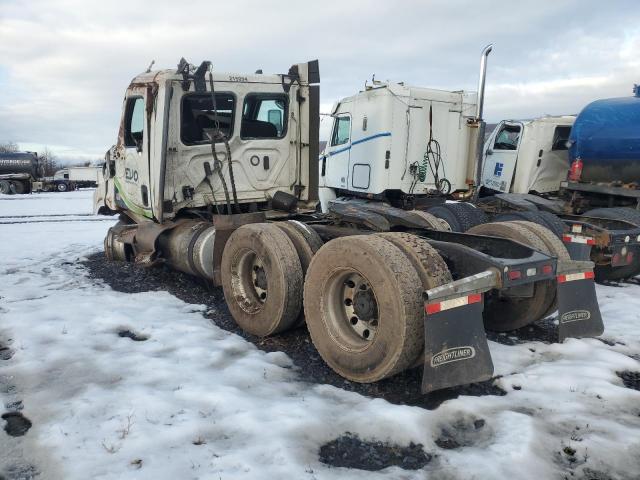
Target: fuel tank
606,139
20,162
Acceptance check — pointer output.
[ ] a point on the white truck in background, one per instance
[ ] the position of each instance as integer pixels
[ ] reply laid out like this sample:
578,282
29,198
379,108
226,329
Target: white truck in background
81,177
527,156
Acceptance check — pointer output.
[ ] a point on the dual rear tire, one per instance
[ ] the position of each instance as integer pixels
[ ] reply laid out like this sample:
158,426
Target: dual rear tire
363,302
362,294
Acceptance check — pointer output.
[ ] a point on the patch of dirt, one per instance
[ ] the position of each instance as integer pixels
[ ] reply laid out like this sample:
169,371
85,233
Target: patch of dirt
351,452
16,424
20,472
400,389
630,379
463,433
136,337
5,353
590,474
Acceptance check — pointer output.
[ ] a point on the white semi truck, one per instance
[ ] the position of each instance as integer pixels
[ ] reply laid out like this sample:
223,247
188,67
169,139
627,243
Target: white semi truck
216,175
79,177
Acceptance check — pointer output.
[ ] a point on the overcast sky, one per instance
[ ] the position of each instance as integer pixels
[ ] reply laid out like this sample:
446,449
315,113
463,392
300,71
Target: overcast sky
65,64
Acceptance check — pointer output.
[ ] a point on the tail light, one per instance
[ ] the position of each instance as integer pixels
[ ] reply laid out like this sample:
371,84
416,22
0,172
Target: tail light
575,170
515,274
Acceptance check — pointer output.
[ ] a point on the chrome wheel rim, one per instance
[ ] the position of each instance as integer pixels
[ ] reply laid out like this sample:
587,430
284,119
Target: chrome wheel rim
351,308
249,281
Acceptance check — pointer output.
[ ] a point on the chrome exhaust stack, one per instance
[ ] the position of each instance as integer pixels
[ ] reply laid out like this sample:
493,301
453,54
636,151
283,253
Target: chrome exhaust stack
479,123
481,81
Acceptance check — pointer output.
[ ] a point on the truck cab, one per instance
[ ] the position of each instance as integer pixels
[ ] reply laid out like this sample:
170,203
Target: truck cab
193,138
529,156
392,141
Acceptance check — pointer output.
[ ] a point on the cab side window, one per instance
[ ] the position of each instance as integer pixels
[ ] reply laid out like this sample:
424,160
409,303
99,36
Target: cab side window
200,118
507,138
134,122
560,138
264,116
341,130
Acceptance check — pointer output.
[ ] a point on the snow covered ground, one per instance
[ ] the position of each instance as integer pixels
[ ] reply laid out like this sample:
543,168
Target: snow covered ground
195,401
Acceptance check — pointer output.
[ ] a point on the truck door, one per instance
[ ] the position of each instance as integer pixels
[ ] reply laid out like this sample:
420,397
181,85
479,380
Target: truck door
338,151
264,128
132,163
501,155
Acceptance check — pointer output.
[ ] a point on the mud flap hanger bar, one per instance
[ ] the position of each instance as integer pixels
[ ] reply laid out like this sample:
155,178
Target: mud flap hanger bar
456,348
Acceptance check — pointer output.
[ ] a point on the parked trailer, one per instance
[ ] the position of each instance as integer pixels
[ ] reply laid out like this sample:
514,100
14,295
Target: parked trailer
414,147
215,175
22,172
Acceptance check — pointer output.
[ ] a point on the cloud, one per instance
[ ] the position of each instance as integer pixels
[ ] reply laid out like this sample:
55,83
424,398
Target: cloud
65,64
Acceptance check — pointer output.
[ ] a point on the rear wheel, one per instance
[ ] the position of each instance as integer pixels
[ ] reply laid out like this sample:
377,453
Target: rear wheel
545,219
262,279
5,187
362,299
306,242
506,310
19,188
460,217
555,248
431,221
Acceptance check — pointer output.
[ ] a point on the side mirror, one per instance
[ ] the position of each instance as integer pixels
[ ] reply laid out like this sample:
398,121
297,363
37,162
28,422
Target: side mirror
489,151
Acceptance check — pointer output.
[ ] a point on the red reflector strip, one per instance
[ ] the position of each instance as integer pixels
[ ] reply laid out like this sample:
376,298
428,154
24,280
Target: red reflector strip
436,307
547,269
578,239
575,276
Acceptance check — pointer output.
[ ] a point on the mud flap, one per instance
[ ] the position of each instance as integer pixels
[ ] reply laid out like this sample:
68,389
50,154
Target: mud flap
578,311
578,251
456,349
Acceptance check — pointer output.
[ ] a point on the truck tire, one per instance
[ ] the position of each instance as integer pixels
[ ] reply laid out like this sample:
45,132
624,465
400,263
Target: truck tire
262,279
306,242
18,188
616,213
545,219
503,313
5,187
61,187
553,223
459,216
434,222
429,265
555,248
312,237
608,272
362,300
